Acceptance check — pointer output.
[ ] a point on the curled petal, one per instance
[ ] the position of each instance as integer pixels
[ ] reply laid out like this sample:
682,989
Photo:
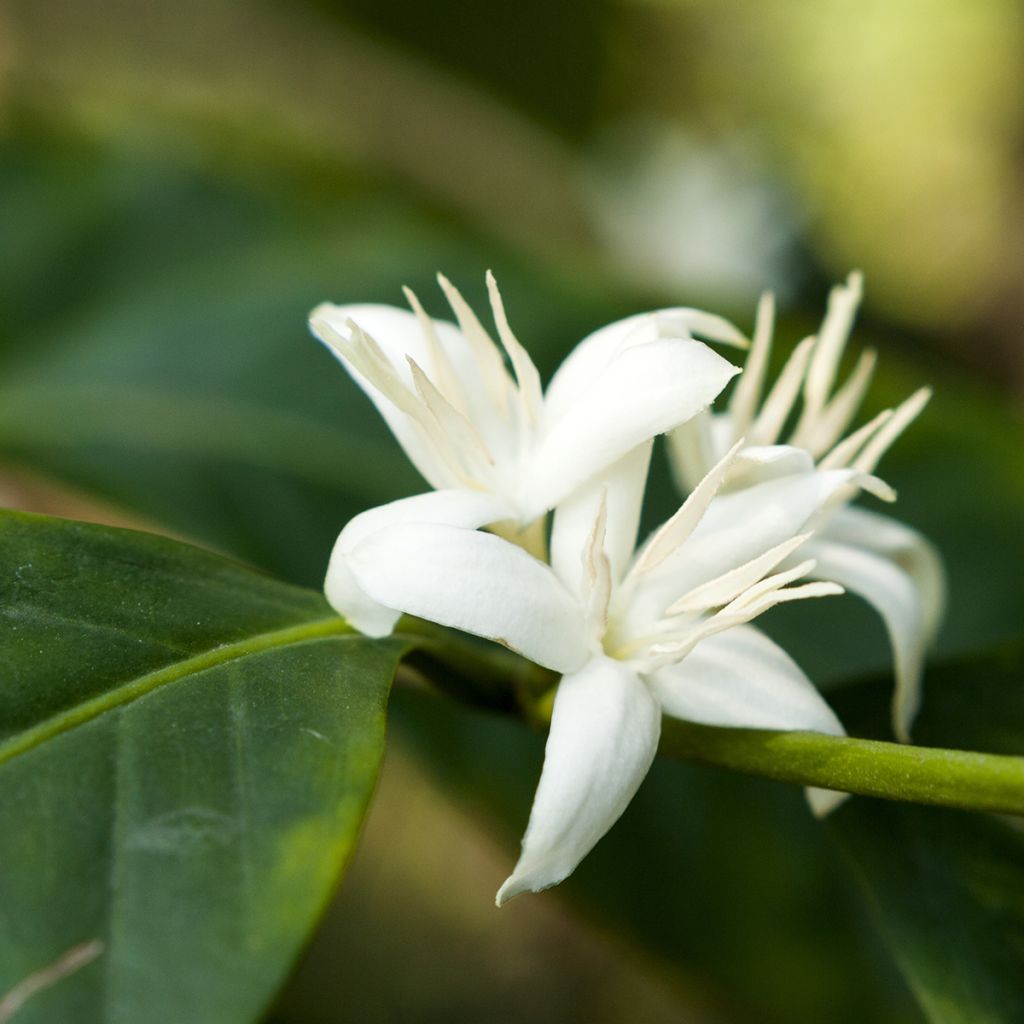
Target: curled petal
604,733
468,509
475,582
592,356
898,572
644,391
623,487
742,679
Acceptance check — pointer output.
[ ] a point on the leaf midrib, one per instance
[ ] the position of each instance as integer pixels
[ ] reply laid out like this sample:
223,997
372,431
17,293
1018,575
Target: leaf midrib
131,690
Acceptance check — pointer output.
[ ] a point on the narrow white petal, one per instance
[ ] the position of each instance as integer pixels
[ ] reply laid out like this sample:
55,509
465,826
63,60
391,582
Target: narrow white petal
905,586
623,483
903,415
747,394
604,734
691,450
486,356
330,324
475,582
727,587
819,435
742,679
757,464
526,373
844,452
673,533
737,527
442,370
779,403
843,301
645,391
468,509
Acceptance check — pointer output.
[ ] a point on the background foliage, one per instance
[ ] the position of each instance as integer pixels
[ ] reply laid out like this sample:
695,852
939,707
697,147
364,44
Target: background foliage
179,185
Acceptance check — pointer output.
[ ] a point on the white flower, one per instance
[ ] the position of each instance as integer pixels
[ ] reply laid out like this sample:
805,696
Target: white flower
497,451
888,564
635,635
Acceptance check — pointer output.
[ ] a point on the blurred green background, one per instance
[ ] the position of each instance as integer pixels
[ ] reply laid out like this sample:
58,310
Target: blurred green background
180,183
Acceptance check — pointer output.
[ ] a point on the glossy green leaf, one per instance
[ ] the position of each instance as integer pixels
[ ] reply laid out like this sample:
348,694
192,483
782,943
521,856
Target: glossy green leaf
948,891
945,886
187,749
154,349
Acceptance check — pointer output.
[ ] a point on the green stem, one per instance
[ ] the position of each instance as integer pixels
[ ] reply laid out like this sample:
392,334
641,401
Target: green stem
892,771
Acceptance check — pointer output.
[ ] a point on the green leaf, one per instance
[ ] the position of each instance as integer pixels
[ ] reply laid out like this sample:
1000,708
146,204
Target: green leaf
187,749
946,887
157,355
722,878
948,892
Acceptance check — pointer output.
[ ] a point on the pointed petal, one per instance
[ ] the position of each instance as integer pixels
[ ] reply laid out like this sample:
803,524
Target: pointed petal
843,301
490,366
824,801
330,325
526,373
902,416
778,405
474,582
742,679
737,527
758,464
825,430
574,518
604,733
469,509
592,356
645,391
899,573
673,533
724,589
747,394
691,450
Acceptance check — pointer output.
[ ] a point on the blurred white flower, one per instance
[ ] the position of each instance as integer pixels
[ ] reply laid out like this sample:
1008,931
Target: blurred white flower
888,564
497,450
635,634
675,212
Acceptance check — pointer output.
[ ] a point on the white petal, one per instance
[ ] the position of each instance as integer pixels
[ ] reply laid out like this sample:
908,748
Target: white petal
905,546
824,801
692,451
475,582
843,301
644,391
742,679
604,734
574,518
747,394
757,464
899,573
468,509
592,356
737,527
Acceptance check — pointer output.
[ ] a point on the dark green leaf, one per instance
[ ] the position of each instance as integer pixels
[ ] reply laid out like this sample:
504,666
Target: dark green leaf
948,891
946,886
187,749
721,878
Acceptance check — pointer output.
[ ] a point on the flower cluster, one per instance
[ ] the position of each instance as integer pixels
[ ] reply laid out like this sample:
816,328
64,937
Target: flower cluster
635,631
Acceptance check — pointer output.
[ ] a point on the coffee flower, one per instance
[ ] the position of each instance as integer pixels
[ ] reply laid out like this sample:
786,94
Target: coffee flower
661,630
888,564
497,450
